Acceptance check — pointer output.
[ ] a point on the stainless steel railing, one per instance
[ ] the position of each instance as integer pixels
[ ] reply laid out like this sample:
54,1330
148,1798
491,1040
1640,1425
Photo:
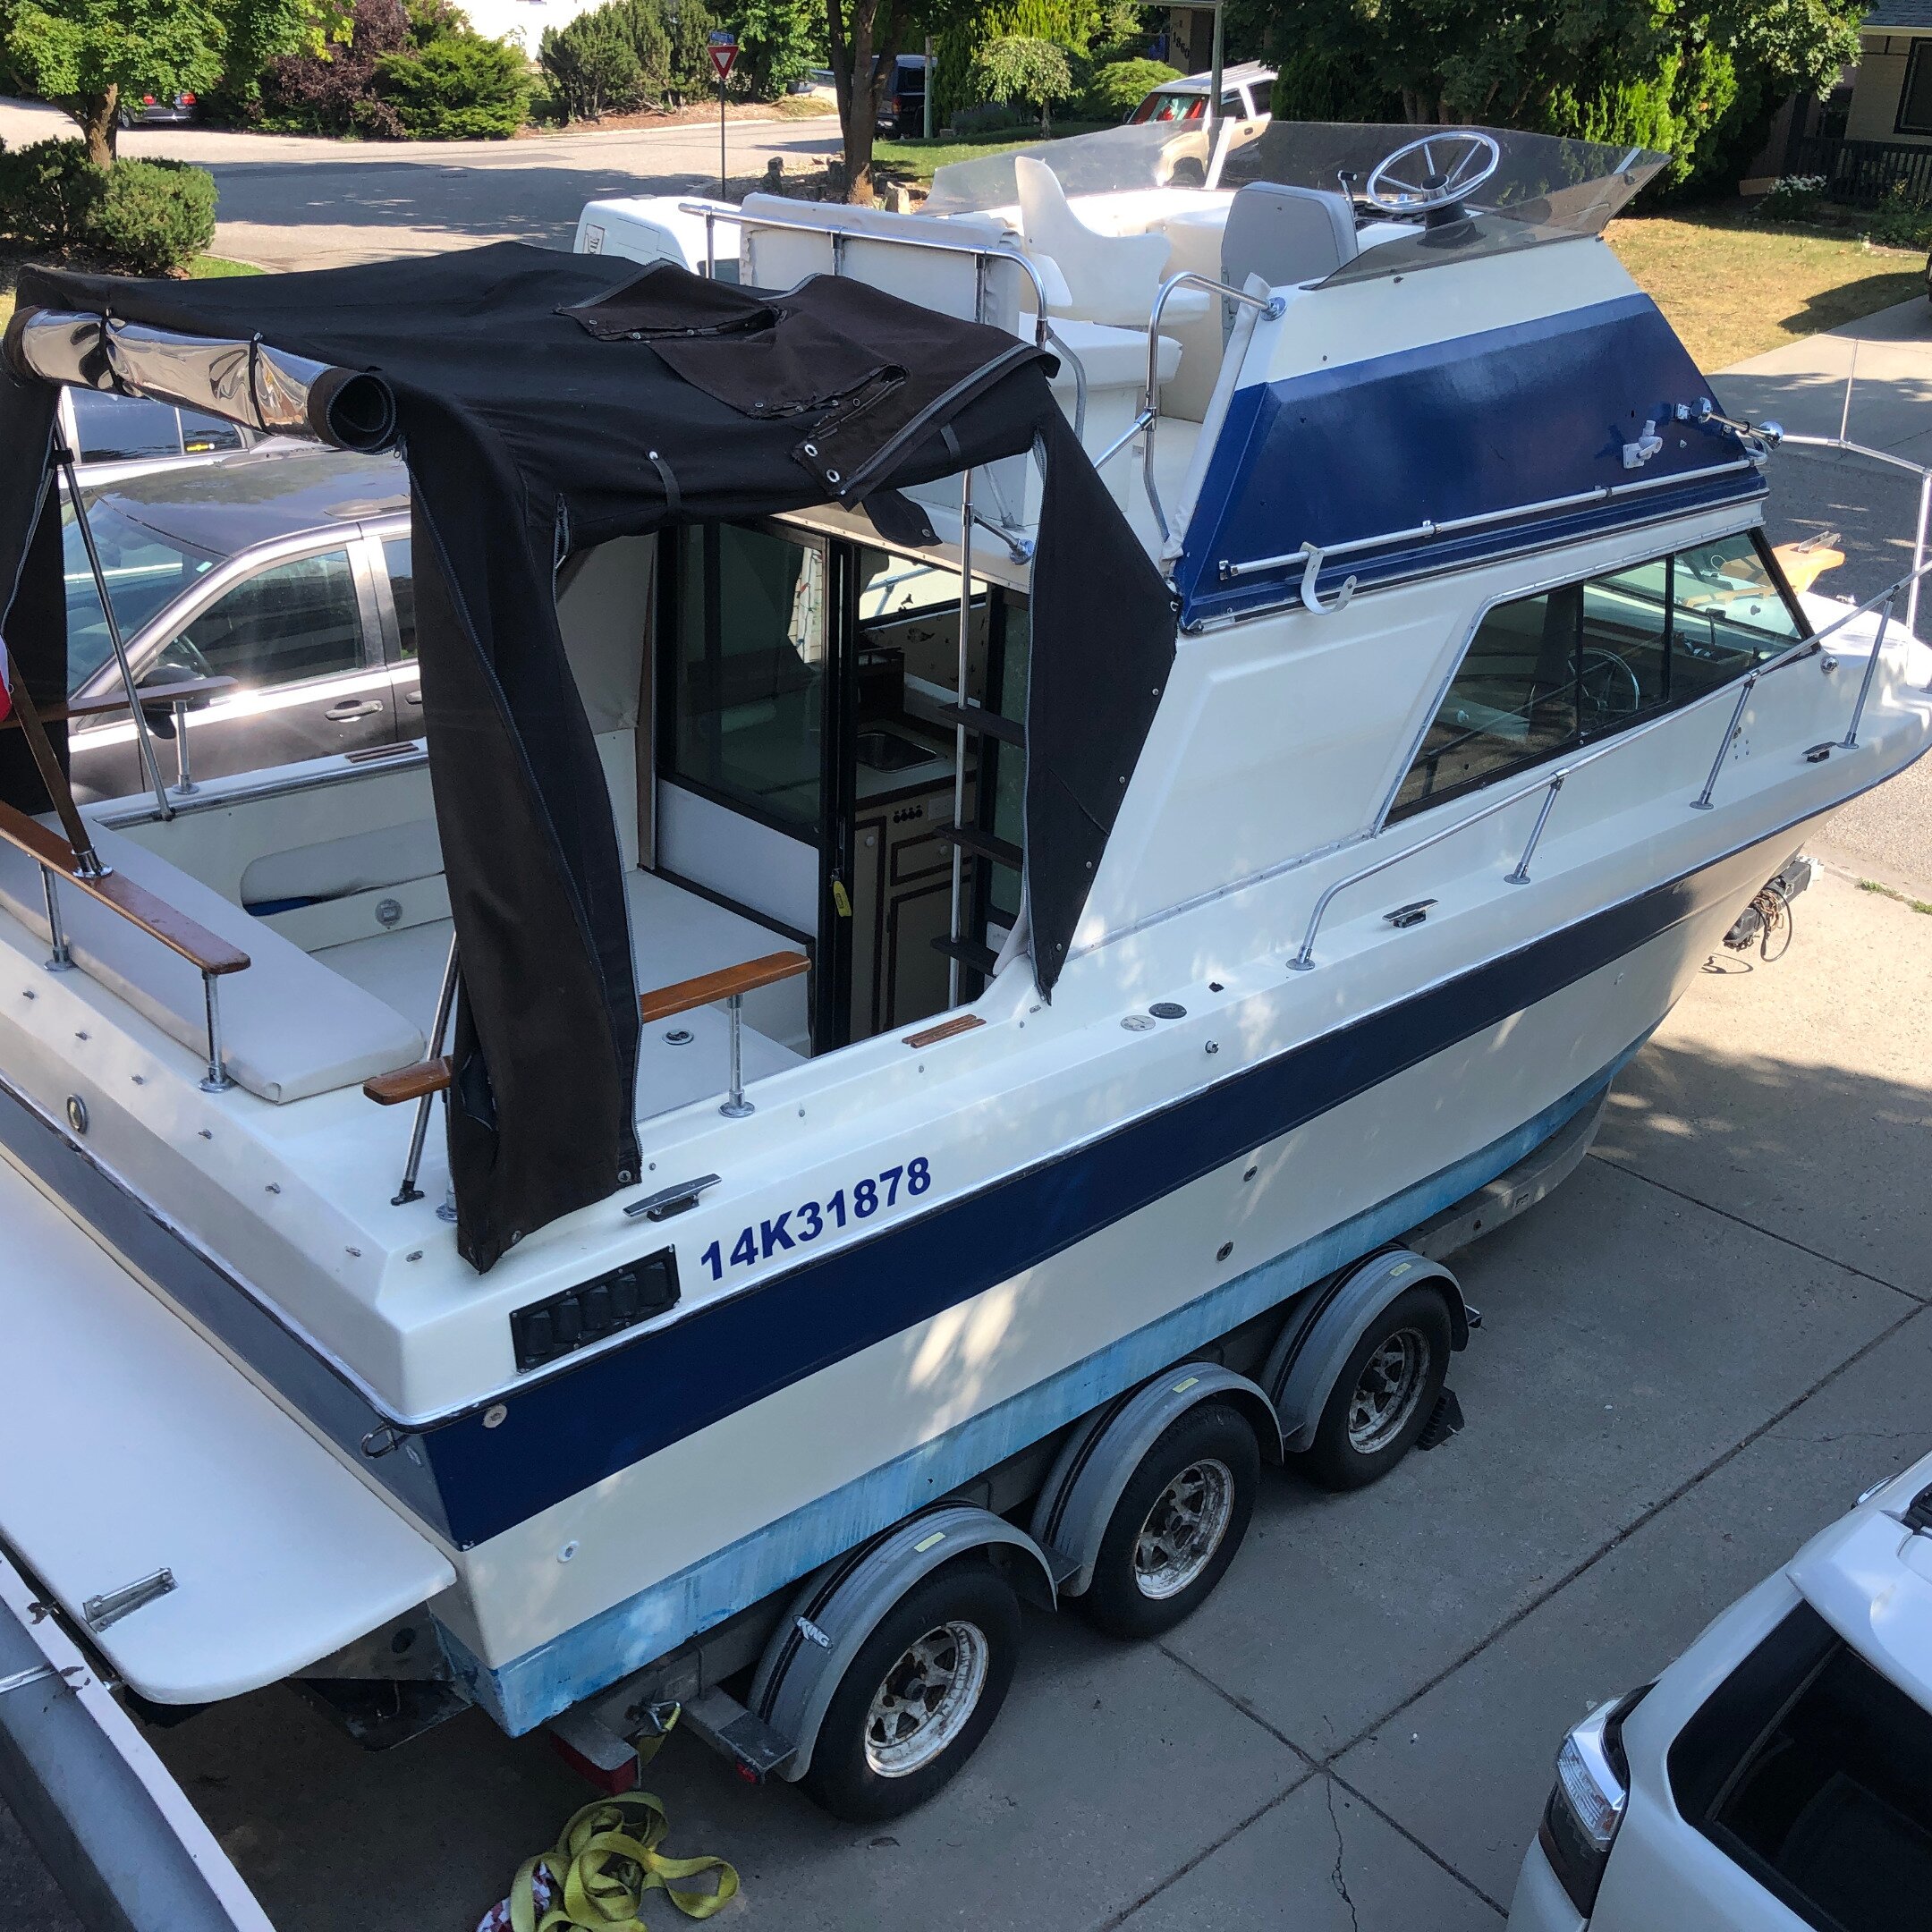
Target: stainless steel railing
1551,784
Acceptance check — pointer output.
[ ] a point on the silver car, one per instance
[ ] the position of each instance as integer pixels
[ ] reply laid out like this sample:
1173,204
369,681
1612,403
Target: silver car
288,572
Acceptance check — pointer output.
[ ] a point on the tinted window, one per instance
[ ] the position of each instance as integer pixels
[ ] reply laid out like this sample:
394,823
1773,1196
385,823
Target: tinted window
112,428
748,696
397,556
199,433
1814,1772
293,620
144,570
1547,673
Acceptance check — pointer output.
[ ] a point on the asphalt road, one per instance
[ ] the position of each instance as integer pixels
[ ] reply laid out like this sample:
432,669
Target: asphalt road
288,202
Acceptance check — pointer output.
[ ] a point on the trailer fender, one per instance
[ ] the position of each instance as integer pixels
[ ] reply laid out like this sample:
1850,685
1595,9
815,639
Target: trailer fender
1074,1506
1325,1325
839,1606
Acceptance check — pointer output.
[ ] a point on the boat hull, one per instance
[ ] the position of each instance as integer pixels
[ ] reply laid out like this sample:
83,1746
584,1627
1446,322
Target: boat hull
1141,1247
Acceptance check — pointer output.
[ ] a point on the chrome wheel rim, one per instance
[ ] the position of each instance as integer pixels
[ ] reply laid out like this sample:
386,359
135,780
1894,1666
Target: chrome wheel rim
1184,1528
1387,1390
923,1701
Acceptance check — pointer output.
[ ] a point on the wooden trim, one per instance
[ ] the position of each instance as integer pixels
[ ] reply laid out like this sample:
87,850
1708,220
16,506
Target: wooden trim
708,988
946,1029
152,695
407,1083
155,917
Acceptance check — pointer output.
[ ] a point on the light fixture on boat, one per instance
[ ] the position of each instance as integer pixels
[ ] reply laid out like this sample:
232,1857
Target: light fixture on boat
248,382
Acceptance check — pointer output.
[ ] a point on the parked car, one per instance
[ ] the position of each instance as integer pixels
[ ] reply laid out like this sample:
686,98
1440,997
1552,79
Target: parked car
902,105
159,110
288,572
1779,1774
114,436
1246,91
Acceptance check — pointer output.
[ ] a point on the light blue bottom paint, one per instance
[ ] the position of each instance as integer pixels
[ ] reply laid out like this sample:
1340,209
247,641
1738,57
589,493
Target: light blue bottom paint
584,1660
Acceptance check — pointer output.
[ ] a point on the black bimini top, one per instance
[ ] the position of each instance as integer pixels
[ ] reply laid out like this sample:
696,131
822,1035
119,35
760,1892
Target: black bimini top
548,402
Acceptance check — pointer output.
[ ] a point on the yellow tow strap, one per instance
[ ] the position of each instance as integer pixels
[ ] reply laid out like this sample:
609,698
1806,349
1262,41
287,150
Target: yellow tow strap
593,1878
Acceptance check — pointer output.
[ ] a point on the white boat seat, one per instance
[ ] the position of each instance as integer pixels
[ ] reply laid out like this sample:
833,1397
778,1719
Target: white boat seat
881,249
1286,235
291,1027
1109,278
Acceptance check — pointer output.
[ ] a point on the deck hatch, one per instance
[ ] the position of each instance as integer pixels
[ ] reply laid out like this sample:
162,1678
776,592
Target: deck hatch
619,1298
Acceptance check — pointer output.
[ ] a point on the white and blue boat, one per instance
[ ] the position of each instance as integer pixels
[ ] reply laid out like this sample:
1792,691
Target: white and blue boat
1023,815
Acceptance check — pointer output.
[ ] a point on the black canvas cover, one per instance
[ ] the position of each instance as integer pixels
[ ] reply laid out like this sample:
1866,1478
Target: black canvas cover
548,402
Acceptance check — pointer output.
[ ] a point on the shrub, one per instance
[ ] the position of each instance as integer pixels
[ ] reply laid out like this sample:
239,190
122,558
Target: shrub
1793,198
334,91
1901,220
48,193
142,216
1121,86
591,66
154,216
461,87
1016,67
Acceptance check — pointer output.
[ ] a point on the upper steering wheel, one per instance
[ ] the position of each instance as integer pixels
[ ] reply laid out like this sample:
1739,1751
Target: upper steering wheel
1457,162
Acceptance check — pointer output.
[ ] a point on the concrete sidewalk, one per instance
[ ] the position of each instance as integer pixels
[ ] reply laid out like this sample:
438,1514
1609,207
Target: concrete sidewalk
1698,1353
1872,510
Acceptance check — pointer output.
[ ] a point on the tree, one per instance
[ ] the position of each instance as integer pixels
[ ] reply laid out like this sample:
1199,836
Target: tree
1691,77
777,41
1016,67
84,56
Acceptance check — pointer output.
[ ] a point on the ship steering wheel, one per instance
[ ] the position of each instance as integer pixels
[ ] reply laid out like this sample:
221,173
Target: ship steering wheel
1454,164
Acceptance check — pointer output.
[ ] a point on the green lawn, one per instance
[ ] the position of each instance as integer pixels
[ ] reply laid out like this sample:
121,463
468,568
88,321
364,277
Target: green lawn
918,160
1732,287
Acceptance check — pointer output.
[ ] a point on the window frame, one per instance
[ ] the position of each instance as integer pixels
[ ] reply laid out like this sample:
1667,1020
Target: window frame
1919,51
1392,812
232,572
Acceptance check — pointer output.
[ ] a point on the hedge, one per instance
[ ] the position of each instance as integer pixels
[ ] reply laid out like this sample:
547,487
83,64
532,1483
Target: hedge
143,217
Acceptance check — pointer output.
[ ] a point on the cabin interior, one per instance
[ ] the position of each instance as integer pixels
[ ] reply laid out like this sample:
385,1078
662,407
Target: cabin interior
799,754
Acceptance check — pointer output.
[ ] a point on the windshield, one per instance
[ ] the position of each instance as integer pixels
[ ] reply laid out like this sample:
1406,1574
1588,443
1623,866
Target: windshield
1149,154
144,570
1544,189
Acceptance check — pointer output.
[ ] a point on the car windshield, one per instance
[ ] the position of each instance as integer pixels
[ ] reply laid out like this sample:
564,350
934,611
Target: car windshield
145,570
1167,106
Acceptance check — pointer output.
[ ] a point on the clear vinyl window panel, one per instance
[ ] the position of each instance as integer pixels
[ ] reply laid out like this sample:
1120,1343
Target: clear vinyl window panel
1548,674
747,701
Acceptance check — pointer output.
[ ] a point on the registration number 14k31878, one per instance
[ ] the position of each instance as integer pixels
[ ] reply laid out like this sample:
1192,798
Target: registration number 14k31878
799,1227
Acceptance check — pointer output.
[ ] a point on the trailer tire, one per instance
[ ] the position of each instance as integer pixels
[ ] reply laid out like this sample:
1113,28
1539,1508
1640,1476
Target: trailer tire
958,1630
1204,1469
1384,1394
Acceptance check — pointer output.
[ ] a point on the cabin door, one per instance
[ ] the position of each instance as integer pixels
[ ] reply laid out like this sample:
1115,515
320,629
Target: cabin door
753,744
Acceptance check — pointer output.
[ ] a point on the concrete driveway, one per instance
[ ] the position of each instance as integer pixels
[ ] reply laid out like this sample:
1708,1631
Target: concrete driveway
287,202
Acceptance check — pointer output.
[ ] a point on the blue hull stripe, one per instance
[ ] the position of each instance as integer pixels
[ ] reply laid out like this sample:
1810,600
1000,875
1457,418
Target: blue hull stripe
1468,426
565,1433
522,1693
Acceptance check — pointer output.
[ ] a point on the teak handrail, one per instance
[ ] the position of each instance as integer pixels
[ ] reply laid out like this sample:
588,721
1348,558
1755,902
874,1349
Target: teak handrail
409,1083
708,988
155,917
426,1077
189,691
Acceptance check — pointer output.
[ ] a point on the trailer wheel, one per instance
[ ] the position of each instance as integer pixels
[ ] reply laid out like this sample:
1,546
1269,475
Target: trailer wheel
1384,1394
1177,1525
921,1693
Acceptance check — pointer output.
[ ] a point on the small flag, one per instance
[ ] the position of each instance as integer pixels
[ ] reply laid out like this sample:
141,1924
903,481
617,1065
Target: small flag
6,693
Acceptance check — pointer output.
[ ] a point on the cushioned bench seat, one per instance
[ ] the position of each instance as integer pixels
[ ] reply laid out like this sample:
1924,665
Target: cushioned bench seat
290,1026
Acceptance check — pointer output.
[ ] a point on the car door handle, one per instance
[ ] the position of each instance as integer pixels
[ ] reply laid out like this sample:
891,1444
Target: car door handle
353,708
414,697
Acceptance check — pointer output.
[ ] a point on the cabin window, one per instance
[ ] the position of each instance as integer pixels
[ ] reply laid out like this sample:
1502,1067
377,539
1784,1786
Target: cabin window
1915,97
1548,674
748,697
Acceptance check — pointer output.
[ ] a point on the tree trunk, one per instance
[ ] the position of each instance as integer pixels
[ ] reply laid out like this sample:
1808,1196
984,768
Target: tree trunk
874,27
99,116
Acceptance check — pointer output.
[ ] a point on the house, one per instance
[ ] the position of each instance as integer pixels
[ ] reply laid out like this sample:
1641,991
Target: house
1891,94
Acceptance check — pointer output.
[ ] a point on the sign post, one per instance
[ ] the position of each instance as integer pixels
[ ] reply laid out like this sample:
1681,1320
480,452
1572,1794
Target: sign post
723,48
